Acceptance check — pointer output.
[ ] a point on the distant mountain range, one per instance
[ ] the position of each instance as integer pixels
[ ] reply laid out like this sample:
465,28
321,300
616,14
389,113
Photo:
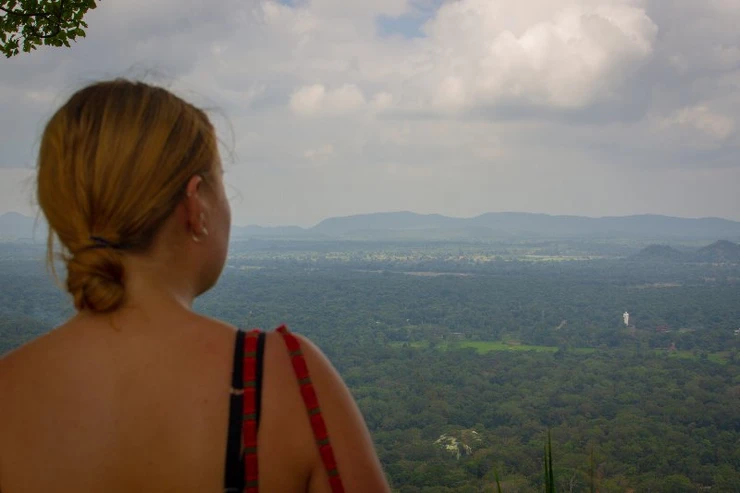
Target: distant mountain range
503,225
494,225
719,252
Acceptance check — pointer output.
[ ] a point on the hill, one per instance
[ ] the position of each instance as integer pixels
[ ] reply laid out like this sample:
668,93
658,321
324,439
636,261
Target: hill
498,224
720,252
660,253
385,221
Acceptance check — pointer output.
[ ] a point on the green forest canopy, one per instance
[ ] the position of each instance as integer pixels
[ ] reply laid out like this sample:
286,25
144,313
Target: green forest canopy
443,353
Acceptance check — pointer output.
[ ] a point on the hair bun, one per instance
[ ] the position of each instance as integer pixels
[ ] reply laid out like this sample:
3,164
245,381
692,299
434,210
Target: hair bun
95,279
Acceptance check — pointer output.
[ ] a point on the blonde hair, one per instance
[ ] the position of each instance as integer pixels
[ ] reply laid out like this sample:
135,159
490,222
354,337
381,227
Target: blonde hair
113,164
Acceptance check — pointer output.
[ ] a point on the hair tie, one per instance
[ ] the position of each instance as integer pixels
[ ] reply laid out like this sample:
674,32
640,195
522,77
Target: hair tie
100,242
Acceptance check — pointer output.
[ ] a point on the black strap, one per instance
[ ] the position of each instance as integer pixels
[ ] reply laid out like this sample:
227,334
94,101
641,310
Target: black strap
234,469
259,372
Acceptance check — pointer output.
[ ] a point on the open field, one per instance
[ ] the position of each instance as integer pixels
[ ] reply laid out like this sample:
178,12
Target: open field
721,358
484,347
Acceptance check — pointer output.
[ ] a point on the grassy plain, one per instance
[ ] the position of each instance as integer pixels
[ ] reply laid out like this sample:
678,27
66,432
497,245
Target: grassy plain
484,347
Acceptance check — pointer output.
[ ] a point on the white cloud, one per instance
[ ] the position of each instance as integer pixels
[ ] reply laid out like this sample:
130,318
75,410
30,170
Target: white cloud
319,154
725,6
382,101
478,53
317,100
41,97
487,53
700,119
344,99
359,9
292,21
308,100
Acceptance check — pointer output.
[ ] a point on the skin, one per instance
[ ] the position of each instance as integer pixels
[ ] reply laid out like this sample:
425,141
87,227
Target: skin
137,400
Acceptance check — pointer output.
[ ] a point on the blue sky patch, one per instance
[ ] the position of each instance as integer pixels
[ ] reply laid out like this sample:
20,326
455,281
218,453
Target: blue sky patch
408,25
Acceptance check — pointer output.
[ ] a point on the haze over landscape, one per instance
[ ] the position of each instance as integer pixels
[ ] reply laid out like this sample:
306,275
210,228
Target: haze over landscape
333,108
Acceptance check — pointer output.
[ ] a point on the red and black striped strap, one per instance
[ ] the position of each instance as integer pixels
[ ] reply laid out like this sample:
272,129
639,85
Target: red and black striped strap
244,406
312,407
251,382
250,412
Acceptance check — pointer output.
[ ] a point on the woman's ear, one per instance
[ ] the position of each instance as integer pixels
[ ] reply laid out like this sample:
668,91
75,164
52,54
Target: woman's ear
194,210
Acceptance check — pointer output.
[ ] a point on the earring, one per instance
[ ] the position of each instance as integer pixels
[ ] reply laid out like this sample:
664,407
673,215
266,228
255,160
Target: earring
203,229
203,232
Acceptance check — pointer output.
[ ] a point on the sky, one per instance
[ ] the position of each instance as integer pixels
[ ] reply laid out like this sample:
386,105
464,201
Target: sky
461,107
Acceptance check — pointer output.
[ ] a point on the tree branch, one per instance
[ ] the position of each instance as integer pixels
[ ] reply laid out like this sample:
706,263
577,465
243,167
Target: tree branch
60,13
26,14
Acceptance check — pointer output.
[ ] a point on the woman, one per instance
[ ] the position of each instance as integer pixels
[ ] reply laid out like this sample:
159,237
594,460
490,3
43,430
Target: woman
137,392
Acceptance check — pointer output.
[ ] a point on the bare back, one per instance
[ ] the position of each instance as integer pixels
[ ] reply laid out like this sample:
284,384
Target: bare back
145,408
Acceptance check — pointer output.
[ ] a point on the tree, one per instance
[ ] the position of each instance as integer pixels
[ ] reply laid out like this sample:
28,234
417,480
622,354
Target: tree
26,24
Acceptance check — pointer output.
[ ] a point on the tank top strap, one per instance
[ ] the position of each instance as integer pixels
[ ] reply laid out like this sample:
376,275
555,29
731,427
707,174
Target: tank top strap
311,401
252,379
241,471
234,468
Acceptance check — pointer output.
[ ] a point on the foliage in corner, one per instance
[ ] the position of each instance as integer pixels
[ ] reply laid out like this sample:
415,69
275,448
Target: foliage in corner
27,24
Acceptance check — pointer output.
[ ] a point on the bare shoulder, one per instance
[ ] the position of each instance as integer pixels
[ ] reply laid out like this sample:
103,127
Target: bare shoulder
15,365
355,454
8,368
212,334
17,369
8,363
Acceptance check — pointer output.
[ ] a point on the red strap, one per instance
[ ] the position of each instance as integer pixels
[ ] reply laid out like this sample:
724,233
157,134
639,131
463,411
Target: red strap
312,406
249,419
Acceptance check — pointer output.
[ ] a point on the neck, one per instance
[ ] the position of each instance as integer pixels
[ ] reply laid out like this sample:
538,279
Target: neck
153,284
